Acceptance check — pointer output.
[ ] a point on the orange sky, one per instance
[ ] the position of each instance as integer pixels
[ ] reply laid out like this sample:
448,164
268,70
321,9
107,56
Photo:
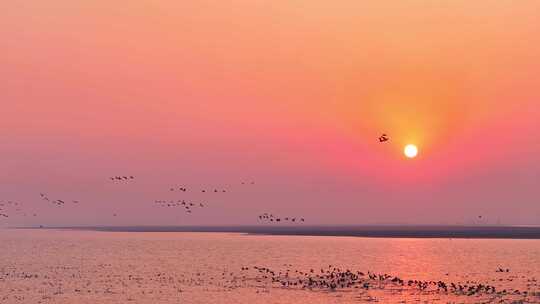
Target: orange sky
292,94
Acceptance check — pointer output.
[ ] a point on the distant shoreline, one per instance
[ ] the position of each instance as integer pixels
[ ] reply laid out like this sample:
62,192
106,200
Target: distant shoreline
386,231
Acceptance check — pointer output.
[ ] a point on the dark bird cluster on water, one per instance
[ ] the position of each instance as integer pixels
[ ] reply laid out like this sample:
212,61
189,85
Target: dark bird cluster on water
268,217
502,270
383,138
334,278
122,178
145,280
187,206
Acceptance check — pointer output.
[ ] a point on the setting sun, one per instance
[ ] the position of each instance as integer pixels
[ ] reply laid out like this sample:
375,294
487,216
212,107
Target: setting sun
410,151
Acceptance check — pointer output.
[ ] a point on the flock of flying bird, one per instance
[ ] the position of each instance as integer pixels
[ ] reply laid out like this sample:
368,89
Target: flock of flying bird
182,189
122,178
271,218
179,204
266,217
10,207
187,206
3,208
57,202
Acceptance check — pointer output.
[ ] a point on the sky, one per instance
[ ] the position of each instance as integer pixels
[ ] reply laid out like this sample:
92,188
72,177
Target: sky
292,95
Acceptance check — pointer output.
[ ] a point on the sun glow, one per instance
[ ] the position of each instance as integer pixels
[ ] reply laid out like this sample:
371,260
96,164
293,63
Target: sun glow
410,151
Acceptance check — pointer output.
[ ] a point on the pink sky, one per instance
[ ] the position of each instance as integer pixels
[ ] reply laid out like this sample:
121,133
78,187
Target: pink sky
290,94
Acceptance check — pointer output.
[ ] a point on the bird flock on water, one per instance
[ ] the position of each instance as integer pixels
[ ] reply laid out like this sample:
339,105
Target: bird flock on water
334,278
149,281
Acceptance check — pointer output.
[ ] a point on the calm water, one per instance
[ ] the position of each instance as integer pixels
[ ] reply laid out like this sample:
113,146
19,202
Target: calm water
53,266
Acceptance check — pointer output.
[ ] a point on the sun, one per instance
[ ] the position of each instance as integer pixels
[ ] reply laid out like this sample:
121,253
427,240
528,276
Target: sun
410,151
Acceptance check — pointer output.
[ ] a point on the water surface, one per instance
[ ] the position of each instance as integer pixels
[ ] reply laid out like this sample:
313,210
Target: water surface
66,266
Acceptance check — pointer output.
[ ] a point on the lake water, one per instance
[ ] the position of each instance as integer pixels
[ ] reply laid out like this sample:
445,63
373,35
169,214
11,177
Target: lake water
66,266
